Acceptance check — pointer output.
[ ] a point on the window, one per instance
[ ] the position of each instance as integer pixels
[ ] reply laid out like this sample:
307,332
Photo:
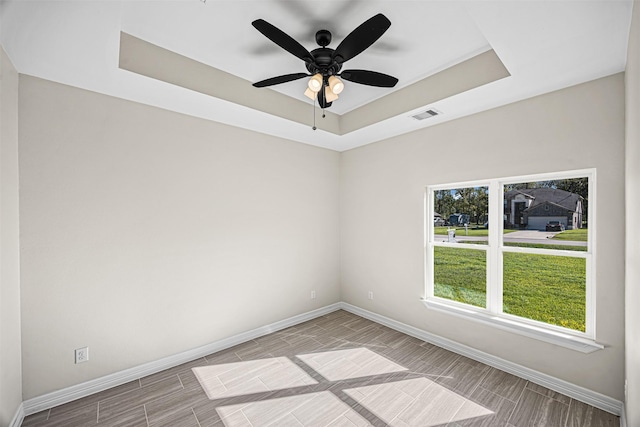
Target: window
517,253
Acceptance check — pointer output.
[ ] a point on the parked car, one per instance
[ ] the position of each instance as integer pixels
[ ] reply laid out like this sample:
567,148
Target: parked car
438,222
554,226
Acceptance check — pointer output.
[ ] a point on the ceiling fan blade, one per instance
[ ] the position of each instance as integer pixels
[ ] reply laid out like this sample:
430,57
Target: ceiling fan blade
369,78
282,39
361,38
280,79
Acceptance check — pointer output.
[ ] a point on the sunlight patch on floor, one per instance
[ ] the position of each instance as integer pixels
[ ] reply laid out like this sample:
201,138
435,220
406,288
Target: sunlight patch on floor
415,402
251,376
339,365
313,409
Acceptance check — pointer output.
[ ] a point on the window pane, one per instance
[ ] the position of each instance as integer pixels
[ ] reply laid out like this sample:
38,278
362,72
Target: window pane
461,215
546,288
547,214
460,275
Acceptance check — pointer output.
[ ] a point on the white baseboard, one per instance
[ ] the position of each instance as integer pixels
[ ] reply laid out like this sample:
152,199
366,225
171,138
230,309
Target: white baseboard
88,388
18,418
79,391
582,394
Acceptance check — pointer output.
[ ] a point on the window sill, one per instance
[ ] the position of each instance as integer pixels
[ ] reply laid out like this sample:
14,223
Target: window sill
583,345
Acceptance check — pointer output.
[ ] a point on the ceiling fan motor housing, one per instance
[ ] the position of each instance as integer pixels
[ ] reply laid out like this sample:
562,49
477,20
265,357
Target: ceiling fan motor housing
323,38
326,61
323,62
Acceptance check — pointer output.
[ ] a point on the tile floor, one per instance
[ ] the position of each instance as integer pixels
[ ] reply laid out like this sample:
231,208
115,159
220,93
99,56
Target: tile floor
336,370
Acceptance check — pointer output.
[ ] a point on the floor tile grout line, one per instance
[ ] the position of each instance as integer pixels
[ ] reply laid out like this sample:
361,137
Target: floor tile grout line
297,419
566,421
354,405
407,406
468,399
441,374
549,397
263,383
245,417
517,402
196,417
480,381
146,417
499,395
180,379
219,380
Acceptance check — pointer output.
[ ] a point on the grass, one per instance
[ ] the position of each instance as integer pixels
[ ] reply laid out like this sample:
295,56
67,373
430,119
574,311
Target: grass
546,246
578,235
461,275
546,288
473,231
533,245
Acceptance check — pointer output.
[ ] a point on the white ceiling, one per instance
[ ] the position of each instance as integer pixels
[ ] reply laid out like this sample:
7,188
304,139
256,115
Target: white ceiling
545,45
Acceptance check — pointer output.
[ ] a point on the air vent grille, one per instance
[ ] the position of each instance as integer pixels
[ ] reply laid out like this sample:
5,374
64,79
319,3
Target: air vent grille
427,114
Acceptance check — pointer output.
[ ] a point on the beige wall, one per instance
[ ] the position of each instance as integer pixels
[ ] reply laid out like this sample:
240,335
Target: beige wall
10,355
632,402
146,233
382,216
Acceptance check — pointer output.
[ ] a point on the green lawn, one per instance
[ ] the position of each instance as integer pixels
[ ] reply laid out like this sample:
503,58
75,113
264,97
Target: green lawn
547,288
460,275
579,235
546,246
473,231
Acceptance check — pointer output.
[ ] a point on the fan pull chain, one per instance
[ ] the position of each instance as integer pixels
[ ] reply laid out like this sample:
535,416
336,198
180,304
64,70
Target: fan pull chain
314,115
324,86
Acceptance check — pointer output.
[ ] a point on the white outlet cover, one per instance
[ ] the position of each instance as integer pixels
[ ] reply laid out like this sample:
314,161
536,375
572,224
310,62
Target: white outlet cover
82,354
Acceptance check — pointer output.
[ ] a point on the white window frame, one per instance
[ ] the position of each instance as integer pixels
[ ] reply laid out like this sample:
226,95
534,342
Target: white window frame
492,314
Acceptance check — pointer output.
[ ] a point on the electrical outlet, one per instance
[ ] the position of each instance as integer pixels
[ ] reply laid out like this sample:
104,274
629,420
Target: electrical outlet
82,354
313,294
370,294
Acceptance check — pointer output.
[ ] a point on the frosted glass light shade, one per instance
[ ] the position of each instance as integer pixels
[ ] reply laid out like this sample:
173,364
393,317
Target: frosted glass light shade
336,85
315,83
329,96
310,94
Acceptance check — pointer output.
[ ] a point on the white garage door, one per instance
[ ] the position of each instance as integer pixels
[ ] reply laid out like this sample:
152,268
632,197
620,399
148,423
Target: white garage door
539,222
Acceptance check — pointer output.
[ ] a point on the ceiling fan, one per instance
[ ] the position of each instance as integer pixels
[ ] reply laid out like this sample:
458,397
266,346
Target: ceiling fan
325,64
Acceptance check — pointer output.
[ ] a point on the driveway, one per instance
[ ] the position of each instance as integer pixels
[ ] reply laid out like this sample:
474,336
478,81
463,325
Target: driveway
524,236
530,234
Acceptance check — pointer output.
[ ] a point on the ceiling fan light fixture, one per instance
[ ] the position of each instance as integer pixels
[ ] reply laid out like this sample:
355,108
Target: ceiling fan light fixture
310,94
336,85
329,95
315,83
325,63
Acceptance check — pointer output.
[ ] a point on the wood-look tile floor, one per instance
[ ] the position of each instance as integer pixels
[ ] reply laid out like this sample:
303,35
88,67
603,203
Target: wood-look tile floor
336,370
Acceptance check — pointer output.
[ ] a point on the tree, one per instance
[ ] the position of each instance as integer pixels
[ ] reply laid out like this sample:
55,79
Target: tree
444,202
578,186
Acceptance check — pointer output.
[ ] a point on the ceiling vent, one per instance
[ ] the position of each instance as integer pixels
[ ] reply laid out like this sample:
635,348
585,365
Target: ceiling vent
427,114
